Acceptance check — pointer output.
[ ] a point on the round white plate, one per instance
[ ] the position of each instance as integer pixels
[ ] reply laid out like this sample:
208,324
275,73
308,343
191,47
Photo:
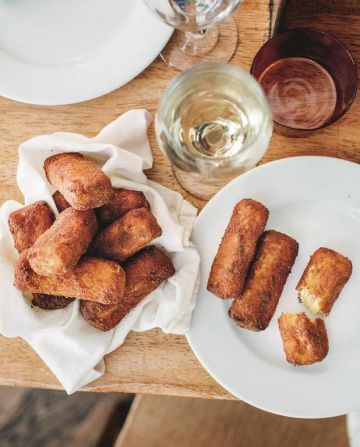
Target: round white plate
65,51
316,200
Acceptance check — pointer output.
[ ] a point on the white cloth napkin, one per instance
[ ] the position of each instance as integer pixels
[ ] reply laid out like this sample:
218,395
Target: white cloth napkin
70,347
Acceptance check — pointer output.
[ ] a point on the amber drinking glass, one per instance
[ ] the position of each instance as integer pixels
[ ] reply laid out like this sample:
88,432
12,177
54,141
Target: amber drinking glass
309,78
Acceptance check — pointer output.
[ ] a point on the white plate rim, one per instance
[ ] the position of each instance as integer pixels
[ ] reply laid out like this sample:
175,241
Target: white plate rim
148,37
329,412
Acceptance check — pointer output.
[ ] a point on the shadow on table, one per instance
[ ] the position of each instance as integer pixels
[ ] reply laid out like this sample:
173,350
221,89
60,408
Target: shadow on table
37,418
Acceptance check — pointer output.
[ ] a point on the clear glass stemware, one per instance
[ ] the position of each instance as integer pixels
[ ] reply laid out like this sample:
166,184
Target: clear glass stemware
213,123
204,30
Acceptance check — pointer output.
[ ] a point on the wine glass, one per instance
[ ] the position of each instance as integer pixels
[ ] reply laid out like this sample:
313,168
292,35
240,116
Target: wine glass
204,30
213,123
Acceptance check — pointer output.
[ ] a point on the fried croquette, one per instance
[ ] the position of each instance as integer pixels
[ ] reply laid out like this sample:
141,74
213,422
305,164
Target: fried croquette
50,302
92,279
305,341
61,246
323,279
145,271
255,307
237,249
126,236
123,201
80,181
60,201
29,223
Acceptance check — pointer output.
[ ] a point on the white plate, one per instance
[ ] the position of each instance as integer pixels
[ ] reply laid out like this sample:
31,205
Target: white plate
316,200
65,51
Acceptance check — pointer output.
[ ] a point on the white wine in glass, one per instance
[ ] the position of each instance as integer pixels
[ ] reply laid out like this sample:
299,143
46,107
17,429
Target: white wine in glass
204,30
213,123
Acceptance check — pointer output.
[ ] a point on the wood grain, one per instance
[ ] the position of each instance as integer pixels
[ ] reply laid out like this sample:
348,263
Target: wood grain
153,421
153,362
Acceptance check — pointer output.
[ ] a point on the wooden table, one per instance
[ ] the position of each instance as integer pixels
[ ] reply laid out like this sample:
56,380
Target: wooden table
153,362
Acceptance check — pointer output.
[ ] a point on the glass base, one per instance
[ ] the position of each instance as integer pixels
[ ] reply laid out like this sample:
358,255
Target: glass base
215,44
199,186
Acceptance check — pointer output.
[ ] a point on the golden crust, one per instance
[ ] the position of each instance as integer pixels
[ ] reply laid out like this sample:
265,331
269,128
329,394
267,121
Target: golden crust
62,245
123,201
92,279
323,279
237,249
145,271
60,201
29,223
126,236
255,307
26,226
50,302
80,181
305,341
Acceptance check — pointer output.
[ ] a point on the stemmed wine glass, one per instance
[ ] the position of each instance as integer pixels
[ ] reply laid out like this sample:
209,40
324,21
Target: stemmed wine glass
204,30
213,123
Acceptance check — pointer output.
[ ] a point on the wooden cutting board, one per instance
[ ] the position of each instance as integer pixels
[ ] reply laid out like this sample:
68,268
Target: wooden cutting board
153,362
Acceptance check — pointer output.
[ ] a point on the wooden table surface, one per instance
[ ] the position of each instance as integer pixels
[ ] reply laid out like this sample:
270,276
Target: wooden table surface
153,362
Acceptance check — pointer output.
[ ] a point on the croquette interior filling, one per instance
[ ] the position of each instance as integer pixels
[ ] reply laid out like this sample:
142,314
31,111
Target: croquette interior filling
312,302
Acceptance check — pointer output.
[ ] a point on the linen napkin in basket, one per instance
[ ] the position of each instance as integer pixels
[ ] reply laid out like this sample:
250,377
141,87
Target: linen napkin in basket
70,347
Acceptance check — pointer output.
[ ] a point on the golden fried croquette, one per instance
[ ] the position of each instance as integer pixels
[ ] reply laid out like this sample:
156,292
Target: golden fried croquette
126,236
28,223
92,279
62,245
80,181
323,279
123,201
50,302
145,271
237,249
305,341
60,201
255,307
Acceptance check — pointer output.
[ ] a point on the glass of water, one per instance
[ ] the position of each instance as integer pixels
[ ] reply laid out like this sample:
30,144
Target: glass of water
213,123
204,30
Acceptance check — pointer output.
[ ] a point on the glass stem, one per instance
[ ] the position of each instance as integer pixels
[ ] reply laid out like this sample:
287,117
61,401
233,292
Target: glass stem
198,43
